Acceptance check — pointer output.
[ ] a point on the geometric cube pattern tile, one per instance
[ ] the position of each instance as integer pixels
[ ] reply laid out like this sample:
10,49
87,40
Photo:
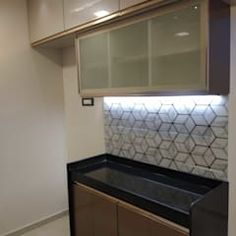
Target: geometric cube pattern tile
188,134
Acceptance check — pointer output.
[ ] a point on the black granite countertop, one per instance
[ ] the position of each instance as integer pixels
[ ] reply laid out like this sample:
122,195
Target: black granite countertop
168,193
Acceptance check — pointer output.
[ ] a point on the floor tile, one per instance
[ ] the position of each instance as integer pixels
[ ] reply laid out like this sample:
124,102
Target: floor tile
59,227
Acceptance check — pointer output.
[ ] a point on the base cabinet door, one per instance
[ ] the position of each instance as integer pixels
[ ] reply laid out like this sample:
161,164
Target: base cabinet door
94,214
136,222
132,224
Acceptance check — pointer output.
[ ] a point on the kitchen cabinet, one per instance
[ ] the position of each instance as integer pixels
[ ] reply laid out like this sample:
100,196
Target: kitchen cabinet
99,214
45,18
54,23
129,3
111,195
95,214
78,12
134,221
182,49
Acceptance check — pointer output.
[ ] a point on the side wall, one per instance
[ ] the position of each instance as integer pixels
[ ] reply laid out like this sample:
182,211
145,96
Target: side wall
32,136
84,125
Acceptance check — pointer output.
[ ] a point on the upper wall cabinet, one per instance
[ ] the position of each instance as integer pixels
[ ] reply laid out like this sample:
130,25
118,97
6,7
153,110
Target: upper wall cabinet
45,18
78,12
51,21
182,48
128,3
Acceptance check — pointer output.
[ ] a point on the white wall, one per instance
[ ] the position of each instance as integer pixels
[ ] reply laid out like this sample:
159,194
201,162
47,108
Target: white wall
32,140
84,125
232,129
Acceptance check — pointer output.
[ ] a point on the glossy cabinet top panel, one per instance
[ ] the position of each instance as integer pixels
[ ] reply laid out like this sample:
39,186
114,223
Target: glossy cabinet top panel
45,18
78,12
129,3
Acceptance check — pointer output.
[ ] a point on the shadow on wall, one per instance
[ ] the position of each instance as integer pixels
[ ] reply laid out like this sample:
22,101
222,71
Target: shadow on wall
54,55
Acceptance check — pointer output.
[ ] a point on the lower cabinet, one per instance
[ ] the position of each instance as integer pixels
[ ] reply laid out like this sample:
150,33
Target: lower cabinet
98,214
94,214
136,222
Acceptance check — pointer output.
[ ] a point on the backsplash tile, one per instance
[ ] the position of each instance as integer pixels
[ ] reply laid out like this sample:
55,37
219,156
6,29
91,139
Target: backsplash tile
188,133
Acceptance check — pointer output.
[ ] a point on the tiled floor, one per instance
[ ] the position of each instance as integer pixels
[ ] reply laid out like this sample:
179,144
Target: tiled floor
58,227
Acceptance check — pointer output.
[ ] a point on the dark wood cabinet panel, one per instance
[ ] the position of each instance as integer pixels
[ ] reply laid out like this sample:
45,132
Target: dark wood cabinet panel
105,217
136,222
164,230
132,224
94,214
97,214
83,212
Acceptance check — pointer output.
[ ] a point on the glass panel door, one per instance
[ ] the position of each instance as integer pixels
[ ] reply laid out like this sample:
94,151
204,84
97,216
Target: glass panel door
176,50
94,61
129,56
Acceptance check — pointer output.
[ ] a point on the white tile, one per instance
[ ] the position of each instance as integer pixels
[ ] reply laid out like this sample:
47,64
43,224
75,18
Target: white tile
220,153
199,150
199,120
181,138
165,163
153,107
219,164
209,136
220,110
199,160
181,157
220,143
199,130
181,129
181,119
220,132
209,157
190,124
199,140
209,115
165,127
220,121
165,144
139,112
199,110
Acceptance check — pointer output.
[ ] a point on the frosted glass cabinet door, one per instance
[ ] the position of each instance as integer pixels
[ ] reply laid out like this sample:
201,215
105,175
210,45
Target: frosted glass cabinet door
78,12
94,62
129,56
177,54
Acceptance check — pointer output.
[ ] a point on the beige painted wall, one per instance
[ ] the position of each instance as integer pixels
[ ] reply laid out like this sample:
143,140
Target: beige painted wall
32,140
232,129
84,125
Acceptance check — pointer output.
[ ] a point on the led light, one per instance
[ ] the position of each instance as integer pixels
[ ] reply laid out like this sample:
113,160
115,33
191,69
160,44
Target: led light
182,34
198,100
101,13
